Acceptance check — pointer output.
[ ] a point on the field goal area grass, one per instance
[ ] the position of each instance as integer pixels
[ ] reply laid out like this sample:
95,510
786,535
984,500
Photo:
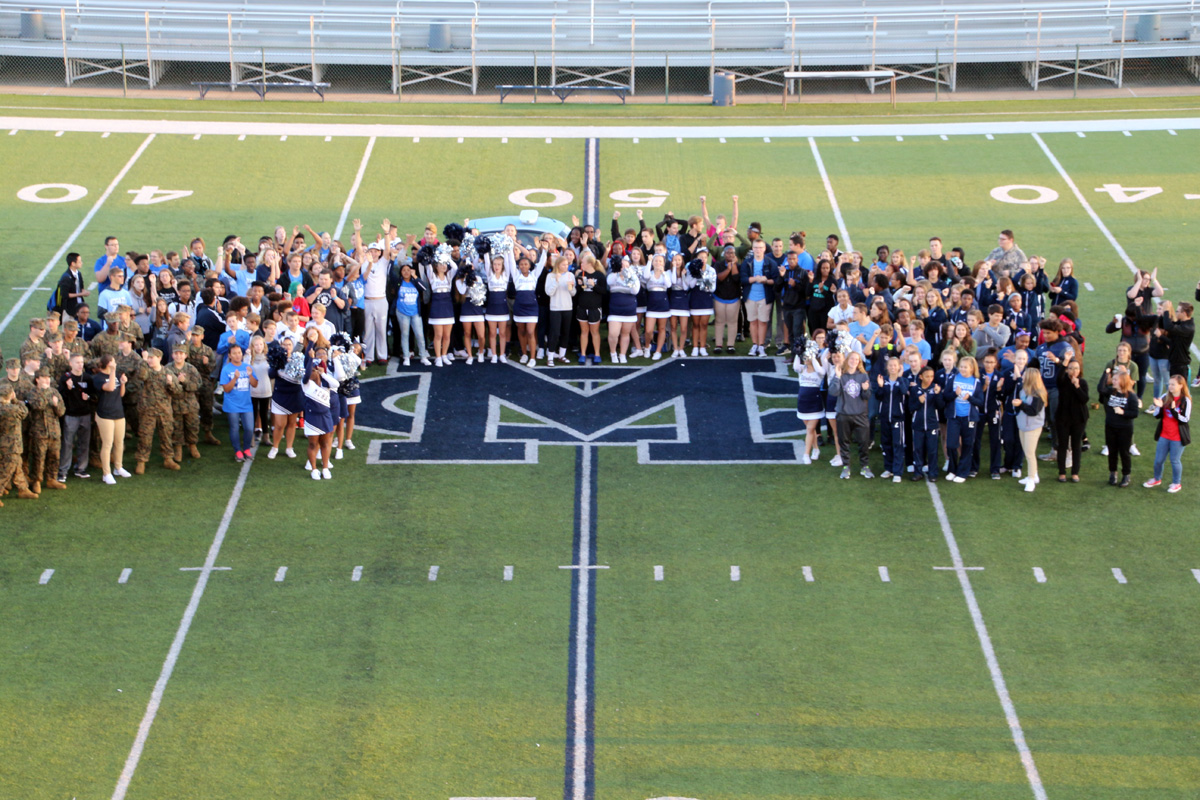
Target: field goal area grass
591,593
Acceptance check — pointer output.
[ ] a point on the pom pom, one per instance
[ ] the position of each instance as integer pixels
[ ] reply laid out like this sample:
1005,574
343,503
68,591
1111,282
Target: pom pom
276,356
708,279
477,291
348,387
845,343
294,369
424,256
340,340
501,244
812,350
483,245
696,268
466,248
453,231
441,255
628,274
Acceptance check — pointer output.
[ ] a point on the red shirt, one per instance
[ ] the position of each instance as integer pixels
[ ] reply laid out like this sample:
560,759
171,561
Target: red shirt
1170,429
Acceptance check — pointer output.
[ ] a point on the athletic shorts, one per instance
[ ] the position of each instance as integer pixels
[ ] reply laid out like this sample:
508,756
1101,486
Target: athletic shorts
591,315
758,311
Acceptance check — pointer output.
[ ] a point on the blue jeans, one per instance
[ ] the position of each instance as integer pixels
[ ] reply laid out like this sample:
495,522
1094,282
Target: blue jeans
1160,368
1168,447
404,323
243,420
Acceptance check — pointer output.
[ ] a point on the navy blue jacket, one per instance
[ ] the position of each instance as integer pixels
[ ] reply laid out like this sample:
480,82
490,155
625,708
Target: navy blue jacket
893,399
770,272
925,416
975,401
991,397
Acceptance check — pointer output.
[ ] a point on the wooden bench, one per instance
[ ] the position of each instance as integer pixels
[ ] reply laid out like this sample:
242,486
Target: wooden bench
562,92
858,73
262,87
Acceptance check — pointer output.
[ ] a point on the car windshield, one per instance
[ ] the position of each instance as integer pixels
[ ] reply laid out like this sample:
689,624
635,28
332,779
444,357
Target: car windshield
526,236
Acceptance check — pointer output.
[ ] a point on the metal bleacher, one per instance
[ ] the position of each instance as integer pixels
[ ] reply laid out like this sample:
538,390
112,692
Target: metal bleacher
602,41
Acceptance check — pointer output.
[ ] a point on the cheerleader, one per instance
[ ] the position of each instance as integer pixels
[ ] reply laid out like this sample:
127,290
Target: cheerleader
963,405
590,287
657,283
440,277
287,398
345,371
623,287
638,260
811,373
525,309
560,287
320,398
496,312
472,292
679,296
700,301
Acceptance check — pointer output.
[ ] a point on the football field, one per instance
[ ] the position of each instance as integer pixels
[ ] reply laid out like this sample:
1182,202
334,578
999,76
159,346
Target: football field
606,582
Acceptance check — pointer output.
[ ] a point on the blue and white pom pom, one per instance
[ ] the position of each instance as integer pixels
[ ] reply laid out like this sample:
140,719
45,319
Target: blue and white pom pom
812,351
845,343
442,255
501,244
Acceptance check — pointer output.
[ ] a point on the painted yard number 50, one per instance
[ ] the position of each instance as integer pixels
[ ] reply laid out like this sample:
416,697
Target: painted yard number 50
70,192
551,198
1030,194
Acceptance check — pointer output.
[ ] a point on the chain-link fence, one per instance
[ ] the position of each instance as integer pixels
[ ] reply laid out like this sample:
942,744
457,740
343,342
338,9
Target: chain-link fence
653,59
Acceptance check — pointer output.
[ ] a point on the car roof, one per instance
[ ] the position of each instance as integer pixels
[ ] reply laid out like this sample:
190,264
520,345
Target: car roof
526,221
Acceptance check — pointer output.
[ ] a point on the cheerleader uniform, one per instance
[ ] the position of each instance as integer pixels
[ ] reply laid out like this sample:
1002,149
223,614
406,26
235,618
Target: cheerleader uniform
287,398
525,309
700,302
622,298
643,298
343,410
319,401
470,312
808,396
497,297
679,294
658,306
441,302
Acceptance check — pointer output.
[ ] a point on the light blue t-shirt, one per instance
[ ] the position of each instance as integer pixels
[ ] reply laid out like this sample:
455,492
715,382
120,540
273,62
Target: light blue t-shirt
758,292
866,331
111,298
406,299
806,261
962,408
237,400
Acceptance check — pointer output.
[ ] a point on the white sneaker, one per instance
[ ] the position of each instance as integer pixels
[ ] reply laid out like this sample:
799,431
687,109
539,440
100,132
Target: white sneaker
326,474
703,351
957,478
316,474
887,473
624,360
1133,451
524,358
337,454
836,461
493,358
438,361
470,359
541,353
425,361
290,453
695,352
532,363
946,466
816,454
274,451
121,472
909,468
656,357
308,467
448,358
110,480
350,444
549,361
762,352
637,353
896,479
1016,473
1029,487
460,353
613,358
804,459
407,361
503,359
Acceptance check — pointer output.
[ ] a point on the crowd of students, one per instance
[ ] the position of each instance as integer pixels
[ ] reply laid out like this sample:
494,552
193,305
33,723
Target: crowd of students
924,356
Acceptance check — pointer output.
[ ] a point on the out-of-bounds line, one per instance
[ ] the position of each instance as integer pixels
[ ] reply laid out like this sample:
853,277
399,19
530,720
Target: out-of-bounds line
362,170
1092,213
989,652
837,212
189,613
62,251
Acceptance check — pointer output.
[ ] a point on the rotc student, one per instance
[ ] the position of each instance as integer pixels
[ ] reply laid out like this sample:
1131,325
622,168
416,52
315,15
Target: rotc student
14,379
184,405
12,472
105,342
154,411
53,323
130,365
125,321
73,342
46,406
35,344
57,359
202,357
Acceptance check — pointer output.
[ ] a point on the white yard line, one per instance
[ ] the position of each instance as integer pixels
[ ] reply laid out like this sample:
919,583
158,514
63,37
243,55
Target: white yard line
189,613
582,611
362,169
837,212
1092,213
56,259
989,652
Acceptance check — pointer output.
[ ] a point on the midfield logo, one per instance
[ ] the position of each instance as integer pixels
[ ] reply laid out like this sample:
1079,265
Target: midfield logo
679,411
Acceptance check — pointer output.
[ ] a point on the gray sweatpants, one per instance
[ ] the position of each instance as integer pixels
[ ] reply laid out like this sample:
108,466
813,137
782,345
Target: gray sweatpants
77,433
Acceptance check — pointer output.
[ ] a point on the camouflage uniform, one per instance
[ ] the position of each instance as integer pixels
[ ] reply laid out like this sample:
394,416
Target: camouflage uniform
154,412
33,348
77,345
208,385
46,406
20,386
12,470
131,366
105,342
56,364
186,406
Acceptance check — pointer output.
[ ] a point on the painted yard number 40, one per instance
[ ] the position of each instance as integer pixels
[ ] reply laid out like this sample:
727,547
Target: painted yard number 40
1044,194
70,192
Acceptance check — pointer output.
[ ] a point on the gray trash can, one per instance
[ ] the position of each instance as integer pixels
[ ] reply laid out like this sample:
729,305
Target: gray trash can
724,89
439,35
1148,28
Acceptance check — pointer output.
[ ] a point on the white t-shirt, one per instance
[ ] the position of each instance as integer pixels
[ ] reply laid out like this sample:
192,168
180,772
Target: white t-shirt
376,279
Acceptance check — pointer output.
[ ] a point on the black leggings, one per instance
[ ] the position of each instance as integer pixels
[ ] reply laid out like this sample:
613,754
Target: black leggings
262,409
560,330
1118,441
1070,436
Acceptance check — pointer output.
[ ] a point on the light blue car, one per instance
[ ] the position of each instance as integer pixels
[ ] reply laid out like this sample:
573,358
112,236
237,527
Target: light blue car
530,226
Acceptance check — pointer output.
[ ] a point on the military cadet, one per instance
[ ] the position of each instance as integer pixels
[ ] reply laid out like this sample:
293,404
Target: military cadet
57,360
202,357
53,323
126,323
131,365
154,412
35,344
105,342
185,406
73,342
46,407
14,378
12,470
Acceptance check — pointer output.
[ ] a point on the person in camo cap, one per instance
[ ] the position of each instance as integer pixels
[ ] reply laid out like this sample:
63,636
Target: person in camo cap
185,407
73,342
125,321
130,365
35,344
12,447
46,407
57,359
105,342
202,357
154,411
14,378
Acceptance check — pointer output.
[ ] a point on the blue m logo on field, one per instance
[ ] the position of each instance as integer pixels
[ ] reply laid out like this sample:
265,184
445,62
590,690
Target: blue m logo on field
676,412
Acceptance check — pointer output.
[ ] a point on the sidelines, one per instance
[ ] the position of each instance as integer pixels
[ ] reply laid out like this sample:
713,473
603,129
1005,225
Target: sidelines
160,686
62,251
989,652
362,169
1095,217
985,641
